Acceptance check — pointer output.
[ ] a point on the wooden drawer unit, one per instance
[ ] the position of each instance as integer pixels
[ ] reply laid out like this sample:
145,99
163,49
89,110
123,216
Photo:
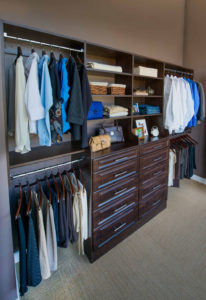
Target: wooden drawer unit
114,159
105,178
154,146
111,230
157,171
111,194
149,160
154,186
151,202
122,204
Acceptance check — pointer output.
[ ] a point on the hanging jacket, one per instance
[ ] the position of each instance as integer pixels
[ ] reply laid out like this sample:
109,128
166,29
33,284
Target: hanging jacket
22,138
56,110
32,95
196,100
43,125
201,111
75,108
86,101
11,100
63,76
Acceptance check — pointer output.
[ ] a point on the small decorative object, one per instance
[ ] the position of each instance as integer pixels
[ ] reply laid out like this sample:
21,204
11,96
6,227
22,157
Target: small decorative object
154,131
99,142
135,109
95,111
150,91
139,132
142,123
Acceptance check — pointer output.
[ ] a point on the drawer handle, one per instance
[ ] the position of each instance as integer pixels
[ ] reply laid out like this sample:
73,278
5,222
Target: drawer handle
118,228
121,207
156,187
121,159
118,192
156,202
157,147
156,159
120,174
157,173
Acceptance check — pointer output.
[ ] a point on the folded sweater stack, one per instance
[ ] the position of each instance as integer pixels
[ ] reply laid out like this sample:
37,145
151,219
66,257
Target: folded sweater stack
146,109
111,110
103,67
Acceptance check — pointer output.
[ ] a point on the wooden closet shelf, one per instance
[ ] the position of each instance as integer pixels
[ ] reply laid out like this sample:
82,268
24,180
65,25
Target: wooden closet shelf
41,153
110,119
121,96
149,96
104,72
146,116
147,77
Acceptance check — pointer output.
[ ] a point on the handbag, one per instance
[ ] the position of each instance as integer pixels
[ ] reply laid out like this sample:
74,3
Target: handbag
115,132
99,142
95,111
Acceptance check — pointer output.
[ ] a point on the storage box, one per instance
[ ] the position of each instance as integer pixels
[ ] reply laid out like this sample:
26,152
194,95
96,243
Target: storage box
144,71
98,88
116,89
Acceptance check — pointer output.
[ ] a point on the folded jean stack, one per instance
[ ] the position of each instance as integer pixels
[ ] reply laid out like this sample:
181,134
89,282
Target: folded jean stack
112,111
146,109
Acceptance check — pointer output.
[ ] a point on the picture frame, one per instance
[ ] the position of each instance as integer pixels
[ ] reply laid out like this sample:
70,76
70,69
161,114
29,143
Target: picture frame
142,123
139,132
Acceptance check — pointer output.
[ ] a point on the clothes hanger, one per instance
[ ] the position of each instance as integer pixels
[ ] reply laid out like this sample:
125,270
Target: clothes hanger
60,57
56,186
29,199
32,50
70,182
40,193
82,178
62,184
49,188
20,202
19,53
43,52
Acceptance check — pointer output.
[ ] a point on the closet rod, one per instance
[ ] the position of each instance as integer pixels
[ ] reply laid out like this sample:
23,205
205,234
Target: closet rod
41,43
177,71
45,169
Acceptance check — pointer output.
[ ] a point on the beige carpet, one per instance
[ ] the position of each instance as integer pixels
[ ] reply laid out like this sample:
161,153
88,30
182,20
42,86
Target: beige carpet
165,259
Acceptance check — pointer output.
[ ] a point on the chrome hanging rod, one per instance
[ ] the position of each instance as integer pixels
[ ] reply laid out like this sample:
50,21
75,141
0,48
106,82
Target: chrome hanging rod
177,71
41,43
45,169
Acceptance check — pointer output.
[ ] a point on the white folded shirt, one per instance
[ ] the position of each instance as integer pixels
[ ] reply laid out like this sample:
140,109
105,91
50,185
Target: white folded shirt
104,67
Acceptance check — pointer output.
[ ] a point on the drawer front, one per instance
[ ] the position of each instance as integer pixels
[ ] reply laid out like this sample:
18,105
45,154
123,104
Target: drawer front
156,172
105,178
108,213
154,146
150,160
112,193
152,202
111,230
156,185
114,159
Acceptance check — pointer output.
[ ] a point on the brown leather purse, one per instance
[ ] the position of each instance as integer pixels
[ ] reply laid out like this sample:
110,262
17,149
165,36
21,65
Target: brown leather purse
99,142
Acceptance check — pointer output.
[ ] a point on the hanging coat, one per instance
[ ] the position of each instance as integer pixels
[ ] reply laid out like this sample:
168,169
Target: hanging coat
86,101
11,100
32,95
43,125
75,108
63,76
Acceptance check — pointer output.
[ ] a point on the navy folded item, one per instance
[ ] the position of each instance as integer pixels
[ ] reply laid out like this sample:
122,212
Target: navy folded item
95,111
146,109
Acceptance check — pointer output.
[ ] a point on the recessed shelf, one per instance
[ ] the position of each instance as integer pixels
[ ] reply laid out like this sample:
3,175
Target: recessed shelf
149,96
146,116
123,96
110,119
42,153
146,77
104,72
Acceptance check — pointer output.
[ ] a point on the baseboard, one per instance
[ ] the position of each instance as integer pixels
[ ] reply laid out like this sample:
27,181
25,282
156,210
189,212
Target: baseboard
199,179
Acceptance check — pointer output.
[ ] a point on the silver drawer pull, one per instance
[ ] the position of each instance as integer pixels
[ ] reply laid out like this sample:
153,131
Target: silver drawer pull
116,193
156,202
120,174
156,187
157,173
120,159
156,159
121,207
118,228
157,147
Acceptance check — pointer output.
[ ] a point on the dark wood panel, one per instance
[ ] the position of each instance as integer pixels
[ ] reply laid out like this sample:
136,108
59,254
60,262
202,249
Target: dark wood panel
148,190
155,173
149,160
155,146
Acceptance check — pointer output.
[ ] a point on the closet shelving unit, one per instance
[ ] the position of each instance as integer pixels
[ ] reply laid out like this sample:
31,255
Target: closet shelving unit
41,157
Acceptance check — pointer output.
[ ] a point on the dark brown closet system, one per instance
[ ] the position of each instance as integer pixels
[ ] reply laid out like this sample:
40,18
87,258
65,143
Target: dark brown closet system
126,184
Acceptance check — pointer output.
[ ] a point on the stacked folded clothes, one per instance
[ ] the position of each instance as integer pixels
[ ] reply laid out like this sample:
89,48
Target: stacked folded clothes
104,67
146,109
111,111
